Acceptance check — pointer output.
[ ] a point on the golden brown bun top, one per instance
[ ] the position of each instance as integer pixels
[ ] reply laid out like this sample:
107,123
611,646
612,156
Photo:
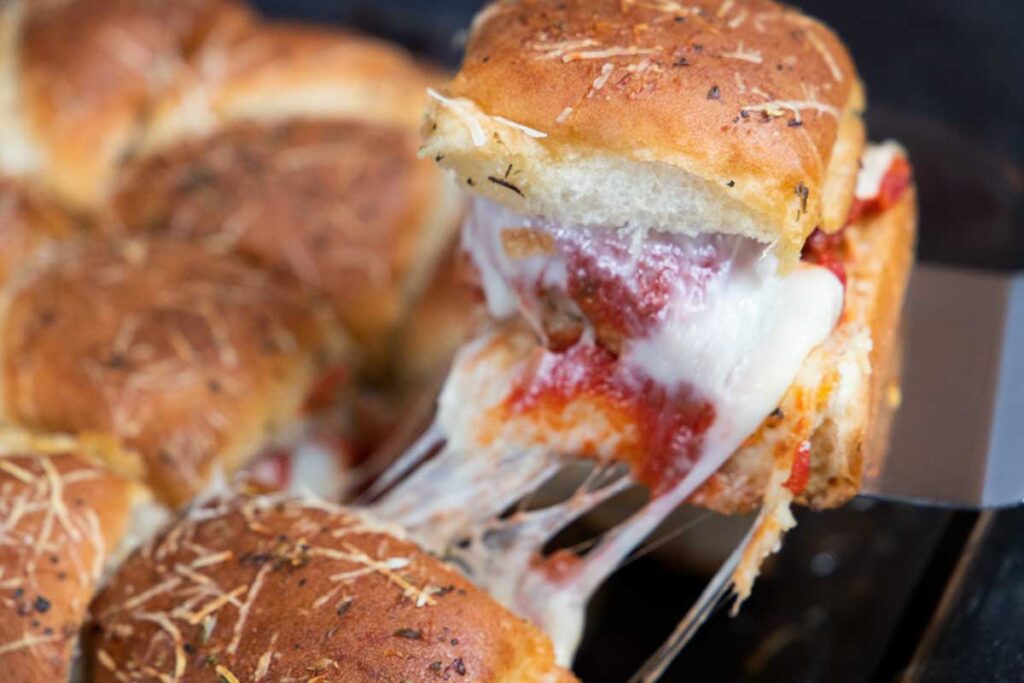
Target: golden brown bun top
192,358
282,70
29,223
86,69
344,206
61,516
747,96
264,589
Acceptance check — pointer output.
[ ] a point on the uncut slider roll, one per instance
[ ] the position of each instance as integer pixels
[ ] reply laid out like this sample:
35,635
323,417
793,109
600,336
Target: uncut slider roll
257,588
193,360
76,77
660,196
63,518
295,146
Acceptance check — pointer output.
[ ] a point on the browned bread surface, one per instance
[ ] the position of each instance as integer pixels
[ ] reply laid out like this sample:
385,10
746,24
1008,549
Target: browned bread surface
61,515
83,72
260,589
29,224
344,206
193,359
748,112
275,71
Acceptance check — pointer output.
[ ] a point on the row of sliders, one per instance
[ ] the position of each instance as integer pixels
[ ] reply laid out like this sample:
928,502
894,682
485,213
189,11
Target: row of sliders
213,228
692,263
247,586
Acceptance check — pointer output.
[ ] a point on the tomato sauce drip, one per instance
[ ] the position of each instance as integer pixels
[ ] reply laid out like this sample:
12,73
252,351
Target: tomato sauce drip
800,472
669,422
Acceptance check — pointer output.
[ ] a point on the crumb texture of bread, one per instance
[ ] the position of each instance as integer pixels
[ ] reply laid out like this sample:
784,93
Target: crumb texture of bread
61,515
836,402
269,589
192,359
690,117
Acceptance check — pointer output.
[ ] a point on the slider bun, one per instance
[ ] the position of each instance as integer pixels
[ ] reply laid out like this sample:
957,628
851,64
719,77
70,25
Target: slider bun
316,593
296,146
343,205
278,71
62,514
29,223
841,400
685,117
77,76
192,359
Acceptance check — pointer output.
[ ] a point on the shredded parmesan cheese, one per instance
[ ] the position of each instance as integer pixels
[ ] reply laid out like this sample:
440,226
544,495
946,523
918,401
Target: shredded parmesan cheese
476,131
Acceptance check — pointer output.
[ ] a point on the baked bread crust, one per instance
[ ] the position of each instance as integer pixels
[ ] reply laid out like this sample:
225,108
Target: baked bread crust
709,117
261,589
342,205
275,71
62,516
193,359
30,223
79,75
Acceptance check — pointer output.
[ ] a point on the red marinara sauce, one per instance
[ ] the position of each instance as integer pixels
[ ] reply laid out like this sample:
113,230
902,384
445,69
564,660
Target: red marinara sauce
626,293
670,422
828,250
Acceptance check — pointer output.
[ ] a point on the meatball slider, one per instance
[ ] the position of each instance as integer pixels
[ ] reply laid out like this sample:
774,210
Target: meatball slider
296,147
661,191
258,588
193,360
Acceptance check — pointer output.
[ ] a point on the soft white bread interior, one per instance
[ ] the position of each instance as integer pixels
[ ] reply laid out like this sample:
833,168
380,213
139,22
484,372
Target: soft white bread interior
737,118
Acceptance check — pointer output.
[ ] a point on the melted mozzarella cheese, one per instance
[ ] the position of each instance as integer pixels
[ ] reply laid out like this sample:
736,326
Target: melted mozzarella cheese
874,163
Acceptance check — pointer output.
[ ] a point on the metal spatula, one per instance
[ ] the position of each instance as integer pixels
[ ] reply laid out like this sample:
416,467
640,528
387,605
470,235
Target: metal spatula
958,437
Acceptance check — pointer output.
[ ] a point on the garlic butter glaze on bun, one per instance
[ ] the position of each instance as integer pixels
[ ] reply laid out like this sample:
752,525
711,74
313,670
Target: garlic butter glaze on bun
262,589
696,117
193,360
296,147
76,78
63,516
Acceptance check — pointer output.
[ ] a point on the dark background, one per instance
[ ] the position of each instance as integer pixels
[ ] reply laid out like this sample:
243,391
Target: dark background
875,591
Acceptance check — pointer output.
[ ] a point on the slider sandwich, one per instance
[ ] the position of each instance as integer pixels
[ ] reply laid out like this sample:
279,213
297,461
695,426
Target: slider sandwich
268,588
77,77
63,520
295,146
193,361
694,269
